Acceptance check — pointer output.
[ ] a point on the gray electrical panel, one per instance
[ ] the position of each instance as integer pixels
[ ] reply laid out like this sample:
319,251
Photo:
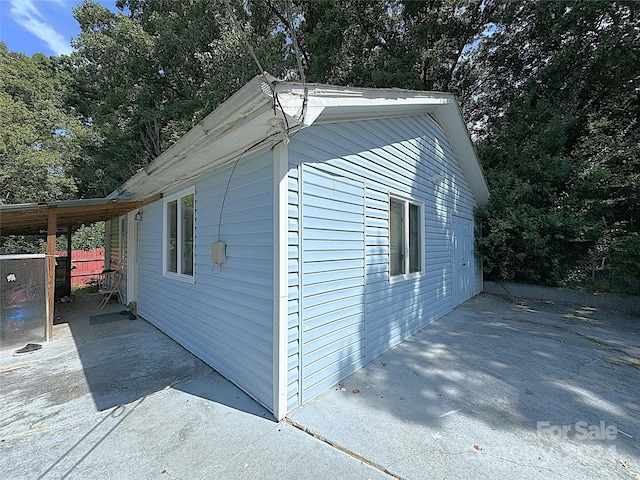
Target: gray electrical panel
218,253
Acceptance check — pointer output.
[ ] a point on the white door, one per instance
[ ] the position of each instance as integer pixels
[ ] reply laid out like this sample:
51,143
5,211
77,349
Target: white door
132,258
462,259
123,252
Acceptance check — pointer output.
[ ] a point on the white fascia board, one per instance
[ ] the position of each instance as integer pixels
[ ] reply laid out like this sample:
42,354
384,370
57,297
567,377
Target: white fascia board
359,95
243,120
243,104
450,120
331,104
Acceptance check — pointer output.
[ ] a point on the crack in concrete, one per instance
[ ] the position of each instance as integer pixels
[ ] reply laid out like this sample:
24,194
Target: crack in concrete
443,450
342,449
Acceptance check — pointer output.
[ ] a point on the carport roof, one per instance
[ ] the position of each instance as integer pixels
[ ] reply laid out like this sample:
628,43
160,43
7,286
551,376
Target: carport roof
32,218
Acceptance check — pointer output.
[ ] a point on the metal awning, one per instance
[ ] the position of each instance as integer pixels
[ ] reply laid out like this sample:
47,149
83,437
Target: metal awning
33,218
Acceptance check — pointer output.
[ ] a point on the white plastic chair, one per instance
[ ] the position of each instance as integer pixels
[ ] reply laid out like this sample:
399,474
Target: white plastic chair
108,286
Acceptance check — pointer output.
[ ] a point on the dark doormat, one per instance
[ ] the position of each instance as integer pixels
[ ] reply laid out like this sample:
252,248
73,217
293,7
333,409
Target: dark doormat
101,318
28,348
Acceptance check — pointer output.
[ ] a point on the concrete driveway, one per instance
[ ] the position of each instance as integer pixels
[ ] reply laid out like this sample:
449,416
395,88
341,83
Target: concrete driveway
496,390
117,399
493,390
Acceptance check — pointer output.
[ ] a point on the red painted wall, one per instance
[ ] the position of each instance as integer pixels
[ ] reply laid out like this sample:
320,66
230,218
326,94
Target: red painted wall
88,265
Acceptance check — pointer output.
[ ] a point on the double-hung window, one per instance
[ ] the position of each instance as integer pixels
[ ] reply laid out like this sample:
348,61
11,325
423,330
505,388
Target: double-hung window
406,238
179,215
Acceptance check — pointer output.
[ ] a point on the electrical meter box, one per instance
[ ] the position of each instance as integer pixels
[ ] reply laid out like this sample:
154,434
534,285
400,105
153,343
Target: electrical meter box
23,300
218,253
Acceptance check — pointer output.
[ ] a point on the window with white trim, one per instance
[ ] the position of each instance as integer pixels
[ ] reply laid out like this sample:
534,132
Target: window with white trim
406,238
178,231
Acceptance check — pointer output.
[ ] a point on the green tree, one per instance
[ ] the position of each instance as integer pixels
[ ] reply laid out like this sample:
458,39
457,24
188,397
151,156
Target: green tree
40,139
425,45
88,237
146,75
85,237
559,139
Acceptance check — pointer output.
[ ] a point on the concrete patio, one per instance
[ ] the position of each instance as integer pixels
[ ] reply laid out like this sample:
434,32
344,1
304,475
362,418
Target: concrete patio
496,389
493,390
120,400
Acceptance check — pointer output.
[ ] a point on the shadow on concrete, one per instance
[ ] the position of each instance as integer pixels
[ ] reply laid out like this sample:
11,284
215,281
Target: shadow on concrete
487,374
214,387
124,360
120,414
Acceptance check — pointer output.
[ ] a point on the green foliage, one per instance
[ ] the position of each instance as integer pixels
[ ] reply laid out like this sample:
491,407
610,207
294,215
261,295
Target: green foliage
40,140
143,79
85,289
612,265
86,237
407,44
22,244
624,273
551,89
560,144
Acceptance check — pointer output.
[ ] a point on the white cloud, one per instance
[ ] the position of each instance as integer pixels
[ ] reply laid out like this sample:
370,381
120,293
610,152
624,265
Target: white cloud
27,15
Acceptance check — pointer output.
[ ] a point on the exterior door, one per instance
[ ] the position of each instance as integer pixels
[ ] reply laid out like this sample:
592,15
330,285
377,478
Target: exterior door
123,249
332,266
462,259
132,258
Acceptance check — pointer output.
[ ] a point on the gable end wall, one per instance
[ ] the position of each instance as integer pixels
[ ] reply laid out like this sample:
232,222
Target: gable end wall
395,155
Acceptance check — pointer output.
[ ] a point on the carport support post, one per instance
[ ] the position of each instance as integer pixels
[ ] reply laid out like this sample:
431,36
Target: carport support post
51,271
68,272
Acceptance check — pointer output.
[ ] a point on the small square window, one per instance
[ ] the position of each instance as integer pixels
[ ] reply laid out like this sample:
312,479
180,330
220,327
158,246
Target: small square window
406,240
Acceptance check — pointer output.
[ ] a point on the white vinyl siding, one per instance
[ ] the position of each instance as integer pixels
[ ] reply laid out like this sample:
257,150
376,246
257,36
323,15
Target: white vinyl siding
400,156
332,280
225,317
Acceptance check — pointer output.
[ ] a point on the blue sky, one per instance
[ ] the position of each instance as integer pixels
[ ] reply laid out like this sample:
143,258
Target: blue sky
44,26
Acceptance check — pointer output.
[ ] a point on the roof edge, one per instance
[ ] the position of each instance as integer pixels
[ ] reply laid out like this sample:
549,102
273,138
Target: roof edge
228,114
450,120
303,105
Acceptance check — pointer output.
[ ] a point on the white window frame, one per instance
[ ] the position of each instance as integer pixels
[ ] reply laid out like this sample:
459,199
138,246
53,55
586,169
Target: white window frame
165,201
414,275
